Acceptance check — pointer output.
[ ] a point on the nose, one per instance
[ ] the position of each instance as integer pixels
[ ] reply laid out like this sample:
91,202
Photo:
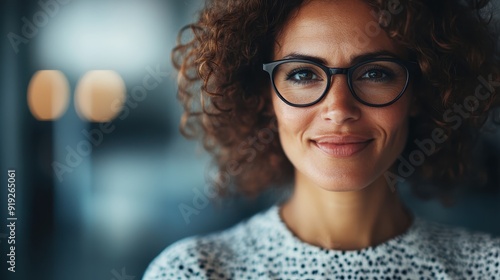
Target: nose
339,106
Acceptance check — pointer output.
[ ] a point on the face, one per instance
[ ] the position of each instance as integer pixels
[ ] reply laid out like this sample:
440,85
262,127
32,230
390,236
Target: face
339,144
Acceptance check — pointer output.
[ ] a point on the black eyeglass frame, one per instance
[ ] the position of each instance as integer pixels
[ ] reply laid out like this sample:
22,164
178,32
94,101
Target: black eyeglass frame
410,67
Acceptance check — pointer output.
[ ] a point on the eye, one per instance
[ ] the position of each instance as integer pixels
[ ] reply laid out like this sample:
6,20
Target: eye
378,72
302,76
375,74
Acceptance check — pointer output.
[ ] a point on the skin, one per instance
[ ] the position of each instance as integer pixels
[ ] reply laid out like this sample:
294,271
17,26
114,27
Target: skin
340,202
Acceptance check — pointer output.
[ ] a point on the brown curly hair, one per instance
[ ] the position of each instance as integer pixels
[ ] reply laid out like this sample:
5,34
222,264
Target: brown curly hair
227,103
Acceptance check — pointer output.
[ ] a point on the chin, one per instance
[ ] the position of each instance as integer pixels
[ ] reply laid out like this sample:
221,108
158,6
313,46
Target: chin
341,187
344,183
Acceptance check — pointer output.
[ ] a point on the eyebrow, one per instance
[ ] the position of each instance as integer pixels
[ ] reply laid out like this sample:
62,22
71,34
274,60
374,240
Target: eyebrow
354,59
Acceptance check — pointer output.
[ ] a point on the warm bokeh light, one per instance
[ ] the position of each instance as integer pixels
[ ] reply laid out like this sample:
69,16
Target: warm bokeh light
100,95
48,94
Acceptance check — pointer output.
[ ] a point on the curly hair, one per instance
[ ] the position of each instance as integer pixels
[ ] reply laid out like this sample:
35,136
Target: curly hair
226,101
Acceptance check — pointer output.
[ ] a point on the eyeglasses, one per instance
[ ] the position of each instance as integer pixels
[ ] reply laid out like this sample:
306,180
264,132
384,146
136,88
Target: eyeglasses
376,82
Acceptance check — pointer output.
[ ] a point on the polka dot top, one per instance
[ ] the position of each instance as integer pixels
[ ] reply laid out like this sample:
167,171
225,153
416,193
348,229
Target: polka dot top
262,247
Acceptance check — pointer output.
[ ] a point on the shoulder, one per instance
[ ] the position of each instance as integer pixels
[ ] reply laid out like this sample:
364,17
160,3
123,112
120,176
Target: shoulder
217,255
473,252
175,262
459,239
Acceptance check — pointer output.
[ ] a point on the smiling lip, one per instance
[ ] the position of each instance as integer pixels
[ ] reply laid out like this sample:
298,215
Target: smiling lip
341,146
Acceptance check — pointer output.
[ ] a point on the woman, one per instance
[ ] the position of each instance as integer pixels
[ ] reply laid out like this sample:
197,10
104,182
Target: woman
344,99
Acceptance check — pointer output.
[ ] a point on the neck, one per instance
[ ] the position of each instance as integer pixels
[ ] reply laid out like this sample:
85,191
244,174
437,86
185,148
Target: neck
345,220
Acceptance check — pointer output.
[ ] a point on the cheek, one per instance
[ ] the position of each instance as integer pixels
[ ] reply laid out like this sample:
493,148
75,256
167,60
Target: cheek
292,123
291,120
394,123
397,130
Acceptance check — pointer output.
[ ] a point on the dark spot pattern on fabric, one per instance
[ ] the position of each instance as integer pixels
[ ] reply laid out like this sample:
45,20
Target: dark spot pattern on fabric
262,247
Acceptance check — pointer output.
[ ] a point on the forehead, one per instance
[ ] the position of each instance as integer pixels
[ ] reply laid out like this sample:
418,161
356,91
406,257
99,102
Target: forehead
335,30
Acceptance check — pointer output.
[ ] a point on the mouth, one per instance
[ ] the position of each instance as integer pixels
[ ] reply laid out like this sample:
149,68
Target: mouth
341,147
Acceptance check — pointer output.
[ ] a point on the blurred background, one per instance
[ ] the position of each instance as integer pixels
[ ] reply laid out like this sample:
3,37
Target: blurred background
89,122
